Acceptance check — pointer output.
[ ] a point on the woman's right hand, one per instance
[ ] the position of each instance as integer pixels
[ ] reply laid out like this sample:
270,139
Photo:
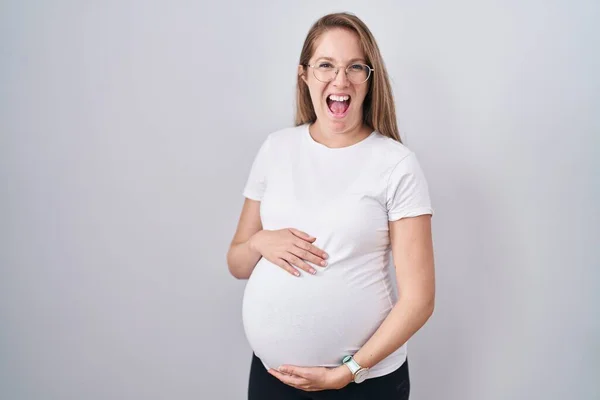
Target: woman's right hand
289,248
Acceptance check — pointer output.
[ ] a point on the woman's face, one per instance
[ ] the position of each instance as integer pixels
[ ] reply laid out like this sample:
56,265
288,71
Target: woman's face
337,48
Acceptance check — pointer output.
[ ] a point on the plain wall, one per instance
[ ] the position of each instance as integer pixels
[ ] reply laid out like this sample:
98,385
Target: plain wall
127,130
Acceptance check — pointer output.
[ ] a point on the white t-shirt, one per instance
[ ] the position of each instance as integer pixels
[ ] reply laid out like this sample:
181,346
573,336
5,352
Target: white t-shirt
344,197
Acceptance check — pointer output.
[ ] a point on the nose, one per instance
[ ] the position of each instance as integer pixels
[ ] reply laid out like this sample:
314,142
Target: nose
340,80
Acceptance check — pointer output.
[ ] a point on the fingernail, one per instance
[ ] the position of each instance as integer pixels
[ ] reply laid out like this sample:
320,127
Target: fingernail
324,263
325,256
297,273
312,271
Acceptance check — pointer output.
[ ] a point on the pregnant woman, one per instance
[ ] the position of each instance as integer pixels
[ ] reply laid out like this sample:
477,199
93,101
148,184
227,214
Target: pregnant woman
330,202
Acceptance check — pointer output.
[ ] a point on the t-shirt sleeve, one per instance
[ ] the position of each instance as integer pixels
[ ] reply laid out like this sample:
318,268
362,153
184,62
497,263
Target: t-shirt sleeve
407,190
257,178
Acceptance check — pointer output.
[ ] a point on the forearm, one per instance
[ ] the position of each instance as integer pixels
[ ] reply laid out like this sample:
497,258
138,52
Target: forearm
404,320
242,258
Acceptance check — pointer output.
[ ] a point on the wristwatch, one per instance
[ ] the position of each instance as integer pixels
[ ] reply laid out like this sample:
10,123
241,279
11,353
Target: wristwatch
359,373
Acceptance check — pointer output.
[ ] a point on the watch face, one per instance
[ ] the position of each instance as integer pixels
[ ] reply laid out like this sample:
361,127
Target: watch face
361,375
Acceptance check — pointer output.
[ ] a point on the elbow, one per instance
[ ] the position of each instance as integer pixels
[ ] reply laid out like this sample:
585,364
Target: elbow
236,272
421,304
428,304
429,307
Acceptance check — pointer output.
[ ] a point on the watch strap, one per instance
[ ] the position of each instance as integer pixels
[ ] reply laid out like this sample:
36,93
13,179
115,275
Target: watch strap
351,364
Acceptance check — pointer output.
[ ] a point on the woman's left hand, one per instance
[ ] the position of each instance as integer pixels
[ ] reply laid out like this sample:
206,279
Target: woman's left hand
311,379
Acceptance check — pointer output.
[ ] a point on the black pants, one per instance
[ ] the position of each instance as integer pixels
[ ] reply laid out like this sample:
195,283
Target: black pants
393,386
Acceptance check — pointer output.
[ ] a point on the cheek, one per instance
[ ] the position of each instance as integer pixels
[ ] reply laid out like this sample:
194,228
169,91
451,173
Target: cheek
316,92
363,93
359,99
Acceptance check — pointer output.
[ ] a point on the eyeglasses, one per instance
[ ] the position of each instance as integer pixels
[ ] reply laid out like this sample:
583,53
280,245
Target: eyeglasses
356,73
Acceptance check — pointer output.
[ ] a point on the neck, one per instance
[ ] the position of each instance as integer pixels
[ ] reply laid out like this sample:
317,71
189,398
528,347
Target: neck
335,138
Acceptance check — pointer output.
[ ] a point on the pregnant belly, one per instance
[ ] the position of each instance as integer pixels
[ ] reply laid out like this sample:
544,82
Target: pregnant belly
310,320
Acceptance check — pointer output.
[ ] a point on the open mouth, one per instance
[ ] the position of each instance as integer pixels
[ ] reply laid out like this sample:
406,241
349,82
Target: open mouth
338,105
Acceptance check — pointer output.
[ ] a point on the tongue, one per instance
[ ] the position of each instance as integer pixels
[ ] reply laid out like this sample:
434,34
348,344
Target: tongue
338,107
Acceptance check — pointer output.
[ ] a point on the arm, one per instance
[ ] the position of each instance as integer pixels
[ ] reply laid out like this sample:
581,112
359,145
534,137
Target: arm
242,257
287,248
412,249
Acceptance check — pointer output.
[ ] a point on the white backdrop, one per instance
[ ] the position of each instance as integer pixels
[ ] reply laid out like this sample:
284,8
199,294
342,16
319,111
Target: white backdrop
126,132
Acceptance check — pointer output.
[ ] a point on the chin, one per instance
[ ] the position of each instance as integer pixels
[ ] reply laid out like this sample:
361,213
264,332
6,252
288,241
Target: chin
340,124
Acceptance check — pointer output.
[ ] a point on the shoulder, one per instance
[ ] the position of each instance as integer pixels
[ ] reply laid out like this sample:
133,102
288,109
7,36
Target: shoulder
390,152
285,137
279,140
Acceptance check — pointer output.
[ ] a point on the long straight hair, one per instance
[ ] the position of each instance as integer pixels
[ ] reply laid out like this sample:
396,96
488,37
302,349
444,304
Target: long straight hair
379,112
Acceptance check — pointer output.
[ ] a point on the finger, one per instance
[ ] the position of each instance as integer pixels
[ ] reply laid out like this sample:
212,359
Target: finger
302,372
286,266
303,244
302,235
296,261
308,256
291,370
291,380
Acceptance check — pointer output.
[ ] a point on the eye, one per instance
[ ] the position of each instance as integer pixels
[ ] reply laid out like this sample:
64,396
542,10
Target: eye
325,65
357,67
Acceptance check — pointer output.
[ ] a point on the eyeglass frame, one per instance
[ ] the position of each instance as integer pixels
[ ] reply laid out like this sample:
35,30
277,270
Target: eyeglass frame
337,70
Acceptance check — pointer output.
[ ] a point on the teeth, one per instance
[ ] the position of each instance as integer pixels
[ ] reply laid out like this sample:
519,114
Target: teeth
338,98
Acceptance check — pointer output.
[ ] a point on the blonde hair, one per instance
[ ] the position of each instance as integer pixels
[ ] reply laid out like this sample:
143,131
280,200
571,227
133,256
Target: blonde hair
379,112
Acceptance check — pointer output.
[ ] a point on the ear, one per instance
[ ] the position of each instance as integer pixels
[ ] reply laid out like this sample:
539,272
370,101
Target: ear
301,72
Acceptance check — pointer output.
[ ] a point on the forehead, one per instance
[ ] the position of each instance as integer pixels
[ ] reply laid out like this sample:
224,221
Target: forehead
338,44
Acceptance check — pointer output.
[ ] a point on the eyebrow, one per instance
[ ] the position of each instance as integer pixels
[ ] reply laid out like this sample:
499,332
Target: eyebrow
350,61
